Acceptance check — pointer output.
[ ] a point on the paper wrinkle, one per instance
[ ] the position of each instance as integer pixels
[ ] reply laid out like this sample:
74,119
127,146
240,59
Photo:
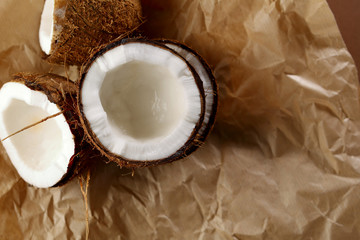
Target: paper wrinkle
305,83
281,163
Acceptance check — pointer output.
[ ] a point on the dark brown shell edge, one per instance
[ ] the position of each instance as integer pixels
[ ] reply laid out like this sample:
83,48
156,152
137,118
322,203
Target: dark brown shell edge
200,137
62,92
121,161
80,26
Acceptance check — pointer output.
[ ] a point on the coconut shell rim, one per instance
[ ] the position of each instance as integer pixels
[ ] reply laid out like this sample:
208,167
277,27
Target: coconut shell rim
212,118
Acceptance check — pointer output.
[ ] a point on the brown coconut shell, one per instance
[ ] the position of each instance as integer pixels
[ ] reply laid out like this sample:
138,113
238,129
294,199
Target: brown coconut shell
130,163
201,137
62,92
81,25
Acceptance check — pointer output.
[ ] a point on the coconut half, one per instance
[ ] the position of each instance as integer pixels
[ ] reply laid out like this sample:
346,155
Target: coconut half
46,154
209,84
70,29
140,102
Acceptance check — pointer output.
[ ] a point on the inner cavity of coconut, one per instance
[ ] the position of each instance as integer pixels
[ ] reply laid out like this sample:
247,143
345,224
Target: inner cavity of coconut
42,152
149,102
47,26
141,101
37,145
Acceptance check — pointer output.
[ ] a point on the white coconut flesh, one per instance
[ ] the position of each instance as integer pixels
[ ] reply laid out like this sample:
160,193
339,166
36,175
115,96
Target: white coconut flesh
204,77
47,26
41,153
141,101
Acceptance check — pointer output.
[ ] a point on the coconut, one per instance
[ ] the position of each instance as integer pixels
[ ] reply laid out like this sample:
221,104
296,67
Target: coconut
70,29
209,83
140,103
40,129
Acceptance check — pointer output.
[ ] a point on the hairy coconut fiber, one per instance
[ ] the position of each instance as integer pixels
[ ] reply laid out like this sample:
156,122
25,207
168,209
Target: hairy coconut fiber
81,25
62,92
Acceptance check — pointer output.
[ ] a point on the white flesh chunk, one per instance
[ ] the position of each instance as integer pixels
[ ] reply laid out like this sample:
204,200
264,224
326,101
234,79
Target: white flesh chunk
204,76
141,101
47,26
41,153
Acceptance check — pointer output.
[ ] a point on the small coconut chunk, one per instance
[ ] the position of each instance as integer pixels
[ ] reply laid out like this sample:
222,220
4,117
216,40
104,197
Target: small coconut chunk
40,154
47,26
140,101
71,29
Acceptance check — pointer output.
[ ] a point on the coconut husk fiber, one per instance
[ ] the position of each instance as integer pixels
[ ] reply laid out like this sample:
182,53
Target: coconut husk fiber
81,25
282,161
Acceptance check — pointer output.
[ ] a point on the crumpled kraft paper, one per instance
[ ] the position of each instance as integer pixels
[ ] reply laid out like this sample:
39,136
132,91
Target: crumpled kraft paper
283,161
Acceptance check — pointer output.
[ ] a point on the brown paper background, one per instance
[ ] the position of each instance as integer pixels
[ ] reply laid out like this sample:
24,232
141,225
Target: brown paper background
283,161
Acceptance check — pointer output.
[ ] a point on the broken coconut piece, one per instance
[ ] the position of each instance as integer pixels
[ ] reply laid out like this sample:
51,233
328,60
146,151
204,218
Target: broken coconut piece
40,130
140,102
209,84
70,29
